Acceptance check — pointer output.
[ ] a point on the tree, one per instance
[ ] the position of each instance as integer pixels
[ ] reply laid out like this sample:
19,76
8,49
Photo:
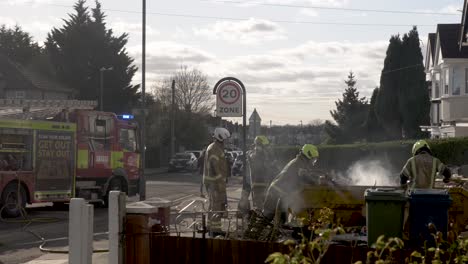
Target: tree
375,131
82,47
17,45
414,96
402,103
386,107
350,115
193,104
192,92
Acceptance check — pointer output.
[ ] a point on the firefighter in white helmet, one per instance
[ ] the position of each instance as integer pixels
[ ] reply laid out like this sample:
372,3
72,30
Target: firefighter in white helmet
214,178
290,181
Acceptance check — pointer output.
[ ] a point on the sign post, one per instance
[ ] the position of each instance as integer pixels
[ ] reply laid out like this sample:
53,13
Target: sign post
231,101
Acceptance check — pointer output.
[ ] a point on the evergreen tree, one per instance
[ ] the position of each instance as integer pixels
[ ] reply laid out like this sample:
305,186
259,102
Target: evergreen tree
414,98
17,45
350,115
82,47
386,106
402,104
375,131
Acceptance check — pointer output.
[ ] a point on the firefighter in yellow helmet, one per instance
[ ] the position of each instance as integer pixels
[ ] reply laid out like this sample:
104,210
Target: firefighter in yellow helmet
290,180
260,170
421,170
215,173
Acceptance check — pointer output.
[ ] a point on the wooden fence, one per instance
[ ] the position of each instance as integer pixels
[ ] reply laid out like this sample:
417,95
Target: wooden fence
188,250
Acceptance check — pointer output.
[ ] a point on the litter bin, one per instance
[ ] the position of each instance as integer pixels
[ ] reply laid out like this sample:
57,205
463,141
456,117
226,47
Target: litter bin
428,214
144,220
385,211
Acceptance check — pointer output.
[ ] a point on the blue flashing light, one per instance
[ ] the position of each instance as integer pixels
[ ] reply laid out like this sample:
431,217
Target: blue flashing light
126,117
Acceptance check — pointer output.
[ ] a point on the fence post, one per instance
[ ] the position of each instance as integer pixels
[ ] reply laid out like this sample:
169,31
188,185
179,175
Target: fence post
116,217
80,232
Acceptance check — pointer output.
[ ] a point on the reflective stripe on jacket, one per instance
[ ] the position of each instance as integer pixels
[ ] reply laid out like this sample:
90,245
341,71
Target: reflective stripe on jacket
422,170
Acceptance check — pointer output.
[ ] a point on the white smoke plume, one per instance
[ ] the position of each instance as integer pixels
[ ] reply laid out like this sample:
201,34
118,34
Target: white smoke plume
370,173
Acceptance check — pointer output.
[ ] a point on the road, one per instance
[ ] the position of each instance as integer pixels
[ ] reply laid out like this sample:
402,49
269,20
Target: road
18,244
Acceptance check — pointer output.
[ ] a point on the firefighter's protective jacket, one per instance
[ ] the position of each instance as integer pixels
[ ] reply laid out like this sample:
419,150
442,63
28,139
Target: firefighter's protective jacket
421,170
260,167
215,167
288,182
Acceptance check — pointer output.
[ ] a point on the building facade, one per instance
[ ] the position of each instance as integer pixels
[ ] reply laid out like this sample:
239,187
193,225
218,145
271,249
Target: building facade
447,73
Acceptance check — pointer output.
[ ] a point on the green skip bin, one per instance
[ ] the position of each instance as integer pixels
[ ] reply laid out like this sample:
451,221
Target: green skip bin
385,210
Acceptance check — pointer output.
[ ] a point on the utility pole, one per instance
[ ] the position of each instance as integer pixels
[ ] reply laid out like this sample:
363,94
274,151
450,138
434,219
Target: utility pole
173,119
143,104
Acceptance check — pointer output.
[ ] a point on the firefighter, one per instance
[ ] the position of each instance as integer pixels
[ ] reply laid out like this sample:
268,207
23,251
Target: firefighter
214,178
421,170
289,181
260,163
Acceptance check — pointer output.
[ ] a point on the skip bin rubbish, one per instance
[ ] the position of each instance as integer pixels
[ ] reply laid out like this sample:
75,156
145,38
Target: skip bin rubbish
428,214
385,211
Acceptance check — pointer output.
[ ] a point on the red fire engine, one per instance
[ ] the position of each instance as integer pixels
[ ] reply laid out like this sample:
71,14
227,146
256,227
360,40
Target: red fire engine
76,153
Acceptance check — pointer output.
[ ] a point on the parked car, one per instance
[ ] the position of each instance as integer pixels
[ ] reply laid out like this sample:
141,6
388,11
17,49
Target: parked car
183,161
237,166
197,153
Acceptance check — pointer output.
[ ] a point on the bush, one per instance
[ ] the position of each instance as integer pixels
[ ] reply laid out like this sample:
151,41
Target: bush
452,151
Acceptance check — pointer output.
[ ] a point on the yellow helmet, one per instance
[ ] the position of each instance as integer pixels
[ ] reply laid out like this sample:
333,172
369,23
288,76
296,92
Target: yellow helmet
310,151
261,140
419,145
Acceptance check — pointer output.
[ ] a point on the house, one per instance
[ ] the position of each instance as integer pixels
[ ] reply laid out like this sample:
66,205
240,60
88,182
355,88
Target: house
19,82
447,72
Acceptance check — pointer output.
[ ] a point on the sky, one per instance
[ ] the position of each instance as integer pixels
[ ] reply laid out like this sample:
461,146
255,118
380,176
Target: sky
292,55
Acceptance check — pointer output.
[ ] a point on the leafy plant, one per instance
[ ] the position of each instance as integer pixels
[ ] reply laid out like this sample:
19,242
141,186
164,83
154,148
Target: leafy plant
310,250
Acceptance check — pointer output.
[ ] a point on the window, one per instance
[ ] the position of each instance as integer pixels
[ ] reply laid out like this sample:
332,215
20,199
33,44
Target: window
437,85
446,81
19,94
100,128
458,80
128,139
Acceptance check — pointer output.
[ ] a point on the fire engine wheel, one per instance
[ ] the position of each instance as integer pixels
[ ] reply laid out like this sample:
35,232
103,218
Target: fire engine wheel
13,200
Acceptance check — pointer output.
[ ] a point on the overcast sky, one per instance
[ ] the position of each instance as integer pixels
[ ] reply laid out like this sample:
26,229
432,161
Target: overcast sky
293,59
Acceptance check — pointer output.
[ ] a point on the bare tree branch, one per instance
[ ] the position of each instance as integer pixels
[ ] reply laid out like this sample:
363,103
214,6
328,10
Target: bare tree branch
192,92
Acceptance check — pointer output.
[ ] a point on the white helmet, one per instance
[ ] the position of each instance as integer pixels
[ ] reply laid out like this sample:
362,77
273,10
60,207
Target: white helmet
220,134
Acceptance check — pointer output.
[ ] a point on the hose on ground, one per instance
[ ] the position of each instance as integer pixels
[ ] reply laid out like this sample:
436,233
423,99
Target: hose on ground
28,221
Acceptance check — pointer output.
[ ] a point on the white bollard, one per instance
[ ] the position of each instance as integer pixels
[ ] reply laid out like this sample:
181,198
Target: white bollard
116,217
80,232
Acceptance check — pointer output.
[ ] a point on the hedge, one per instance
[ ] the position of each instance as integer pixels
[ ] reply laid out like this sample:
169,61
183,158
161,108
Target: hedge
452,151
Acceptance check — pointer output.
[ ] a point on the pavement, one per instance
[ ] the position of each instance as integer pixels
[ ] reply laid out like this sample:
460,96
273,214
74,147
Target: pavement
59,258
101,258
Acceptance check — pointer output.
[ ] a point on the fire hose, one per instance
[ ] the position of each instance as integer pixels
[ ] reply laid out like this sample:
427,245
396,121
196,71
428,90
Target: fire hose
28,221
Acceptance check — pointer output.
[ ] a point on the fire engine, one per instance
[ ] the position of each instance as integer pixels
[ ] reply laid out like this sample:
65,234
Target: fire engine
56,150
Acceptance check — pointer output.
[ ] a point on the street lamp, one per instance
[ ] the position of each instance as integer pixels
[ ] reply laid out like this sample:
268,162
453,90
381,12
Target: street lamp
101,99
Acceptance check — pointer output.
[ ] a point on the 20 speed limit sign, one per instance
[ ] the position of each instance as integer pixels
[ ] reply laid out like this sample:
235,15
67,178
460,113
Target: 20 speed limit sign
229,100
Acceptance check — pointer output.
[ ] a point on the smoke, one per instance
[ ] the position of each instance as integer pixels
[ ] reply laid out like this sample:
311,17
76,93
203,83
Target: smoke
370,173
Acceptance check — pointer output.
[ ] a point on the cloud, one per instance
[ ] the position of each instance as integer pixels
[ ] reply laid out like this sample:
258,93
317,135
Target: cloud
33,3
453,9
121,26
165,57
251,31
300,82
325,3
309,12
